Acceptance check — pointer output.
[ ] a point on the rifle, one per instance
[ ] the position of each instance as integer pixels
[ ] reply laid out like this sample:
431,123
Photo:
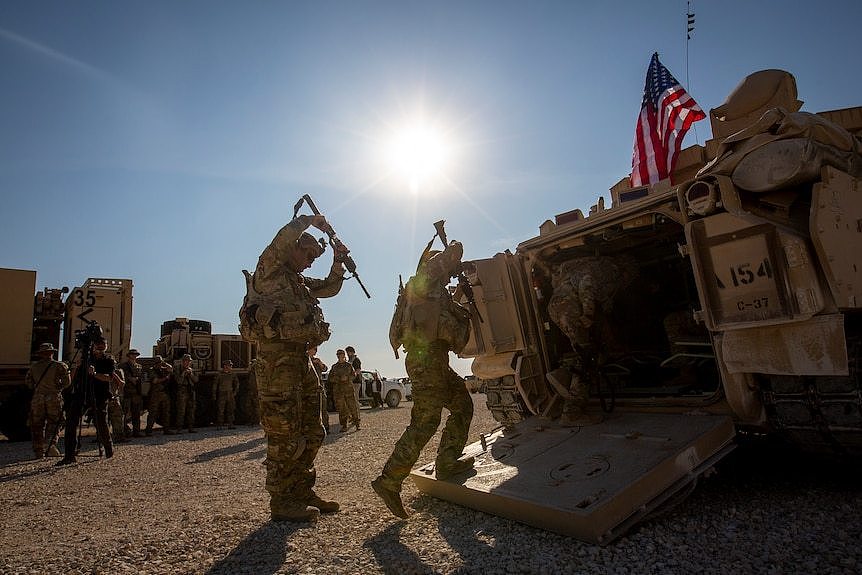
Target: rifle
334,240
463,282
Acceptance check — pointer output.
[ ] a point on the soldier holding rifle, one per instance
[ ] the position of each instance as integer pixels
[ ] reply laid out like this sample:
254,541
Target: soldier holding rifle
429,323
281,312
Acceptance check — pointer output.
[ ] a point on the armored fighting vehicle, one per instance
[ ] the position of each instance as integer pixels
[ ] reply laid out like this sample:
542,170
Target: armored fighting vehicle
724,300
194,337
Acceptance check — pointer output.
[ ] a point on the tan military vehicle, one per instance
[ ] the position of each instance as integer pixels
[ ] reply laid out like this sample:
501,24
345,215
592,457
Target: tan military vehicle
194,337
29,321
726,302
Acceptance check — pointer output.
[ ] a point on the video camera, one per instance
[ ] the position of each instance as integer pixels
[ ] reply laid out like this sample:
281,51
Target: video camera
85,337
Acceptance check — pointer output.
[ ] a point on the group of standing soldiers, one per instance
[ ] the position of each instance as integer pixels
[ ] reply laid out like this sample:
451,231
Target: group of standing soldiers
175,386
116,396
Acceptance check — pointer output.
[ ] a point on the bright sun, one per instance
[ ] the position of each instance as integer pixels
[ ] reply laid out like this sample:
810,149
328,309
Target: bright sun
418,153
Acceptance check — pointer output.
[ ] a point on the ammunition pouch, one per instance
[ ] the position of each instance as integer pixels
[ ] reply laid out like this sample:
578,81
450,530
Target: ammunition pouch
261,319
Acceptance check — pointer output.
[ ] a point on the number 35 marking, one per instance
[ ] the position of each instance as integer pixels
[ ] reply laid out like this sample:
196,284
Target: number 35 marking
80,299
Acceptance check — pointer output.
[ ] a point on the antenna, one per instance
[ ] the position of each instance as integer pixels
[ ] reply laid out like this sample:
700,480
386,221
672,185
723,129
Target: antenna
689,28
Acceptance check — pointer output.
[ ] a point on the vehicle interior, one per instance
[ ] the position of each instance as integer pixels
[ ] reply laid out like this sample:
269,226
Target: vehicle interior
646,344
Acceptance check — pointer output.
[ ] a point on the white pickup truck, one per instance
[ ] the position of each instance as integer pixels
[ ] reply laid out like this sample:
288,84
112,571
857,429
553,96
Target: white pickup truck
392,390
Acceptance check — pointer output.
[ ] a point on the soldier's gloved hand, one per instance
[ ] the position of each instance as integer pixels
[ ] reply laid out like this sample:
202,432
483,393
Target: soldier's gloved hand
320,223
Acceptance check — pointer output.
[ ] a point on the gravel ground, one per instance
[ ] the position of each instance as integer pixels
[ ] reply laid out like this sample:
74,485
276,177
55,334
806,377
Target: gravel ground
196,504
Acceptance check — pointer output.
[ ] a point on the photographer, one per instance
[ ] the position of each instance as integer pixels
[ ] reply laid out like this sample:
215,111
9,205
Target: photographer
90,390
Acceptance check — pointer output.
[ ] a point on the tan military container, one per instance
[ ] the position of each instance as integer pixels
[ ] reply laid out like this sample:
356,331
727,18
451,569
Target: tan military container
107,301
16,308
740,311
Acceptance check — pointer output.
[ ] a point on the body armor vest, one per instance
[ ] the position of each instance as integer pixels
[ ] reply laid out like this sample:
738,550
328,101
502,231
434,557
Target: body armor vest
421,319
288,314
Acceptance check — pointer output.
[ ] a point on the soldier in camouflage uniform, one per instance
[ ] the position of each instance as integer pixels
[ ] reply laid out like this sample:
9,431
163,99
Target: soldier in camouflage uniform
116,416
282,314
584,291
47,378
341,379
133,401
430,324
225,388
320,368
186,379
159,406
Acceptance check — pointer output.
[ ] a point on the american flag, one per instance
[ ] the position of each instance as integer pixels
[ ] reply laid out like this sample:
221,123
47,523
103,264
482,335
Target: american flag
667,112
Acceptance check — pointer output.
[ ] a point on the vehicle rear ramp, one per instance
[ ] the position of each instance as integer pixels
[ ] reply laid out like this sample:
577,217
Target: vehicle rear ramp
591,483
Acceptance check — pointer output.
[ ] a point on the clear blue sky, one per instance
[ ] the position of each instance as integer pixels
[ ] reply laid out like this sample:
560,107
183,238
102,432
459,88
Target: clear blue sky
167,141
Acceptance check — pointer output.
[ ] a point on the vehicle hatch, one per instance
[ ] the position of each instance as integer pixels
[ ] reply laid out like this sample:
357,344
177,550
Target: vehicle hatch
593,482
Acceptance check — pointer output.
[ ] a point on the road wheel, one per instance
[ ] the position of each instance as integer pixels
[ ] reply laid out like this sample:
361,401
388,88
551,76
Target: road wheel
393,398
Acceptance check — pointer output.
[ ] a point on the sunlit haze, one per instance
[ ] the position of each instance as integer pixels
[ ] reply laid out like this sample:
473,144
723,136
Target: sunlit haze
167,142
419,154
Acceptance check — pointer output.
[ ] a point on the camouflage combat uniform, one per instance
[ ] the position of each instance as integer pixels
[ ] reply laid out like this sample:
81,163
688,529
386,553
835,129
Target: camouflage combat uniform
321,367
116,416
133,400
225,388
431,325
47,378
159,405
584,291
186,379
341,378
281,313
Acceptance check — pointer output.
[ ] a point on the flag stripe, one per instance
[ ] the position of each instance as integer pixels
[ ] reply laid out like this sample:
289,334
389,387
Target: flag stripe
667,113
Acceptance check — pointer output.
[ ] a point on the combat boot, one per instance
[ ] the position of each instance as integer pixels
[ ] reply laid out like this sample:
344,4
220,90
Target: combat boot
445,470
323,505
575,407
390,497
66,461
296,512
